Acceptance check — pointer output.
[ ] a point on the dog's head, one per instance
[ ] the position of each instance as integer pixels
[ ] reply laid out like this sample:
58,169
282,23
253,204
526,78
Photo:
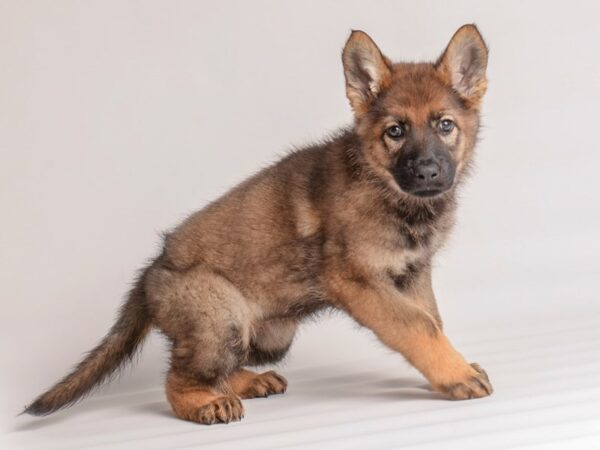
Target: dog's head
417,123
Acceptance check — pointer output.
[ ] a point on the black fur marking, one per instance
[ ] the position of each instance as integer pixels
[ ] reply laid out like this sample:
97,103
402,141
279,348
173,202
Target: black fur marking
304,307
410,215
410,239
258,356
234,344
317,180
419,215
306,266
352,158
404,280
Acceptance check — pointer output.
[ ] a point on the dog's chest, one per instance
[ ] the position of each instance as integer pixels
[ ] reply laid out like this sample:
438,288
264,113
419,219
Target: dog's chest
390,253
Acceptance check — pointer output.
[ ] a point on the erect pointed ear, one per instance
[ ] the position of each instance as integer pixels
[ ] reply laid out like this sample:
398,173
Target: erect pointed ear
464,63
366,70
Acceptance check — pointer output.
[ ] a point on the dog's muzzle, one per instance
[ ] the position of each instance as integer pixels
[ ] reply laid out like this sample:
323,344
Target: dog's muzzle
425,175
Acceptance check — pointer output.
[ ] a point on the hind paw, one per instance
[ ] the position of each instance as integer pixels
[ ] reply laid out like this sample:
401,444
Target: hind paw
221,410
251,385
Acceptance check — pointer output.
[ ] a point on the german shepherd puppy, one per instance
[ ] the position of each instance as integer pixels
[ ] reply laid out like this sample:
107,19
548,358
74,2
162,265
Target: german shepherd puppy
351,223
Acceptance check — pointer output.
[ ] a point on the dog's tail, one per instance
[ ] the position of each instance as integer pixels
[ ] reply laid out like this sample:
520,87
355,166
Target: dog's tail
117,347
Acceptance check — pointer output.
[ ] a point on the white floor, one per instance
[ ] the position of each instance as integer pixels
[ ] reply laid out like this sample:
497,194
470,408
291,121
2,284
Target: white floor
545,369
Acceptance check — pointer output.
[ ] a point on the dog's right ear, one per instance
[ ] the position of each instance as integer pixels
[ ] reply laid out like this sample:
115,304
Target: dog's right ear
366,69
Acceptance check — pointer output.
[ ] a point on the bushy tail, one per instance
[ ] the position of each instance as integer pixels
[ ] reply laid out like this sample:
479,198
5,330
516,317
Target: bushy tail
117,347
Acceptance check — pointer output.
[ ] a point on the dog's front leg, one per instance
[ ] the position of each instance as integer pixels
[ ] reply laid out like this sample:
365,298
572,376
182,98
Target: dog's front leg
399,321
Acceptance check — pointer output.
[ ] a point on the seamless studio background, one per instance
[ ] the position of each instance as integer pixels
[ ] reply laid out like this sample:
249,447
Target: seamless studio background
119,118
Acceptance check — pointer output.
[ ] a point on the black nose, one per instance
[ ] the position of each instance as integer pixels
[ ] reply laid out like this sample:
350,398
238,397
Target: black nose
427,170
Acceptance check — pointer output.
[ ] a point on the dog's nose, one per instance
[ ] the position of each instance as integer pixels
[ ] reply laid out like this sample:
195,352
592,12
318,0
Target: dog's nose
427,170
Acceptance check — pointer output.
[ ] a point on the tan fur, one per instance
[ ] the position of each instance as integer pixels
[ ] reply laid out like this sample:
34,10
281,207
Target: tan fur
210,403
248,384
199,402
329,226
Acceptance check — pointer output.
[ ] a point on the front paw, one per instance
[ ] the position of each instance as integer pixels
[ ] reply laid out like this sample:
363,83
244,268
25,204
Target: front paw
474,384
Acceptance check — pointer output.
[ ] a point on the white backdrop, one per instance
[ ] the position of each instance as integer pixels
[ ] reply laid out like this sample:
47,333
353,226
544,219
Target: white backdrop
118,118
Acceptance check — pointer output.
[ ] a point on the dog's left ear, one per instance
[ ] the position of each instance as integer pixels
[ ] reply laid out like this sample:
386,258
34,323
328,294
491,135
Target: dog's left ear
366,69
464,63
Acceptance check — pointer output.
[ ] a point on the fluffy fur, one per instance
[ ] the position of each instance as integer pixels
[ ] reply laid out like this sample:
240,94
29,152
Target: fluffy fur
351,223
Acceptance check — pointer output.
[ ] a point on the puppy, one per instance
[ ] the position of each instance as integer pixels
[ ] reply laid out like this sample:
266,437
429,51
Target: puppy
351,223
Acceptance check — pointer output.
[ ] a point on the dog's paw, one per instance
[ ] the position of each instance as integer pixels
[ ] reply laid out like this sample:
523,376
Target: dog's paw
265,384
475,384
220,410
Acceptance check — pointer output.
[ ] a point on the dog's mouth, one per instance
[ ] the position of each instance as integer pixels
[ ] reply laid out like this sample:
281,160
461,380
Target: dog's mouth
429,192
424,190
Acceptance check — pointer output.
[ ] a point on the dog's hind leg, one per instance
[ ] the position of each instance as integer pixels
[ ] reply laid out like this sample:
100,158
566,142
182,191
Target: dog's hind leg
208,321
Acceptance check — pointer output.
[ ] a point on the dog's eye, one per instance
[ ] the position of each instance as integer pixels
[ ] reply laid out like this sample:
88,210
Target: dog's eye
395,132
445,125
